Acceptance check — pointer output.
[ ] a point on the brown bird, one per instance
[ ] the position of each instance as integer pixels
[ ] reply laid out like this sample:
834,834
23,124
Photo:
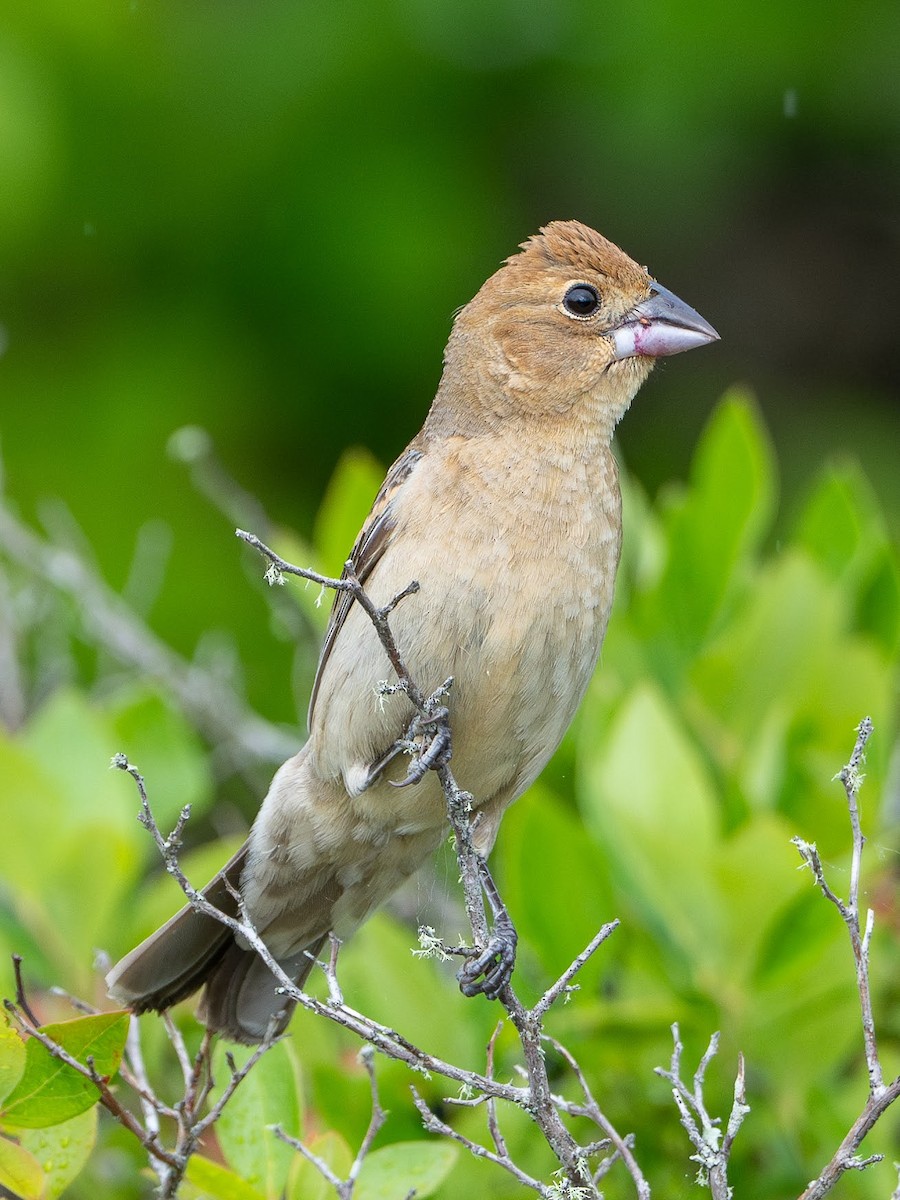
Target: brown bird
506,508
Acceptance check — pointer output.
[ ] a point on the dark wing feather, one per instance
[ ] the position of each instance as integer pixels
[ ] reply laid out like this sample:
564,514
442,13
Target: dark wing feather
176,959
371,544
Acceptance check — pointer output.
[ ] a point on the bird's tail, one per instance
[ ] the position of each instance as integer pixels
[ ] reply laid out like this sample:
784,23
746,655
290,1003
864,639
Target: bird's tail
192,950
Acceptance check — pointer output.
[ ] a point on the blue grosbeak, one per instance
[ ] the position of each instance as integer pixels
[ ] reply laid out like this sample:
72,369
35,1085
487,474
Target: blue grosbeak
506,508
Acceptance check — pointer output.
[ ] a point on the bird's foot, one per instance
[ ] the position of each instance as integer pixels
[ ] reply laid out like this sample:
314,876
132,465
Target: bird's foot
436,749
489,970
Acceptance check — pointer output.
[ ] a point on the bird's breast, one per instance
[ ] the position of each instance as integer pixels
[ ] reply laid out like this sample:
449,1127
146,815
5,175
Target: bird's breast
516,563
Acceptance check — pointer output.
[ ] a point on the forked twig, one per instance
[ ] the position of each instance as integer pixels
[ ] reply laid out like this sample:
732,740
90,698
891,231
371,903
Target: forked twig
712,1149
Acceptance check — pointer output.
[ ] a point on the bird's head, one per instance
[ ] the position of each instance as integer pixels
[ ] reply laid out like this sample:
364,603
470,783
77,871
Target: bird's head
570,320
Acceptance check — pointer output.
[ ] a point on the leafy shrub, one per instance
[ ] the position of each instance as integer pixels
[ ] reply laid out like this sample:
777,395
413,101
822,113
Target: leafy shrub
737,664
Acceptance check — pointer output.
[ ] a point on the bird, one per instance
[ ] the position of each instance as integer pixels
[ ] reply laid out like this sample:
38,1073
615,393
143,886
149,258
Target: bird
506,509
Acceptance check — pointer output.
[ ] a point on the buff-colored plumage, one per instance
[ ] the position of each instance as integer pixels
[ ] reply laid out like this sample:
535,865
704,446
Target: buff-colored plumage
506,509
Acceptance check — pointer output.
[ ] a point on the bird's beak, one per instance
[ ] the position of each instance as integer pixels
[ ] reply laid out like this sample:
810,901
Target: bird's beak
660,325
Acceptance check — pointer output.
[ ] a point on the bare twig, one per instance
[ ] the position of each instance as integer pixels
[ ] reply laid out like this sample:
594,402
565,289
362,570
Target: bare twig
493,1124
20,990
238,1074
178,1045
376,1121
881,1095
132,1069
385,1039
349,583
150,1104
845,1157
852,779
492,953
344,1187
82,1006
489,950
433,1124
216,710
311,1157
539,1101
169,1165
591,1109
712,1149
562,985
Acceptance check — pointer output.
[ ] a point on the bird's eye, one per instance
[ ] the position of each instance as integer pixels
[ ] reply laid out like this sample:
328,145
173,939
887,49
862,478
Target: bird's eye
582,300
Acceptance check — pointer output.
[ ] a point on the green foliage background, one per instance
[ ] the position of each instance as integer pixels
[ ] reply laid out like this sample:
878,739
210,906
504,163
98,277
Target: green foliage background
259,216
257,219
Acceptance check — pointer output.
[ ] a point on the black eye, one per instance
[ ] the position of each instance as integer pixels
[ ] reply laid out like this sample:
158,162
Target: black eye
582,300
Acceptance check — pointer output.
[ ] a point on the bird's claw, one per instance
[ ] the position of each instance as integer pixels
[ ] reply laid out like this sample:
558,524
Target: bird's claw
490,970
435,754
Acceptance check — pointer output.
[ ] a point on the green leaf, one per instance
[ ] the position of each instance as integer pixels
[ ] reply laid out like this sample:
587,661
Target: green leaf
62,1150
878,607
646,795
542,840
801,935
818,1004
769,651
756,876
212,1181
715,525
843,529
50,1091
12,1060
40,819
840,525
167,751
348,498
69,803
270,1094
644,544
74,743
405,1167
20,1171
777,691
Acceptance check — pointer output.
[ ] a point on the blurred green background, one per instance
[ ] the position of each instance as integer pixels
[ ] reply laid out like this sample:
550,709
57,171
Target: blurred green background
256,220
259,217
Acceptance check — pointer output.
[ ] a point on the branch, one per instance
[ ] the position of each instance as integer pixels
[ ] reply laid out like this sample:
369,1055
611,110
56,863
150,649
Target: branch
208,701
563,984
348,582
169,1165
238,1074
845,1157
387,1040
881,1095
344,1187
706,1136
433,1124
592,1110
491,956
107,1098
493,952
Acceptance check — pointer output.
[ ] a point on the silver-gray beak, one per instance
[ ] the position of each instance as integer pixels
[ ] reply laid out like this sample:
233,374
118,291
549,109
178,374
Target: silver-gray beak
661,325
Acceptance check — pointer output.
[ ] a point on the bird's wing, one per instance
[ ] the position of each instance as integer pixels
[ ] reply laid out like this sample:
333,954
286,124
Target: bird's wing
371,544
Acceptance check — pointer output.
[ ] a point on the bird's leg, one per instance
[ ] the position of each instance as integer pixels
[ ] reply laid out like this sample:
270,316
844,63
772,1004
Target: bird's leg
489,970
